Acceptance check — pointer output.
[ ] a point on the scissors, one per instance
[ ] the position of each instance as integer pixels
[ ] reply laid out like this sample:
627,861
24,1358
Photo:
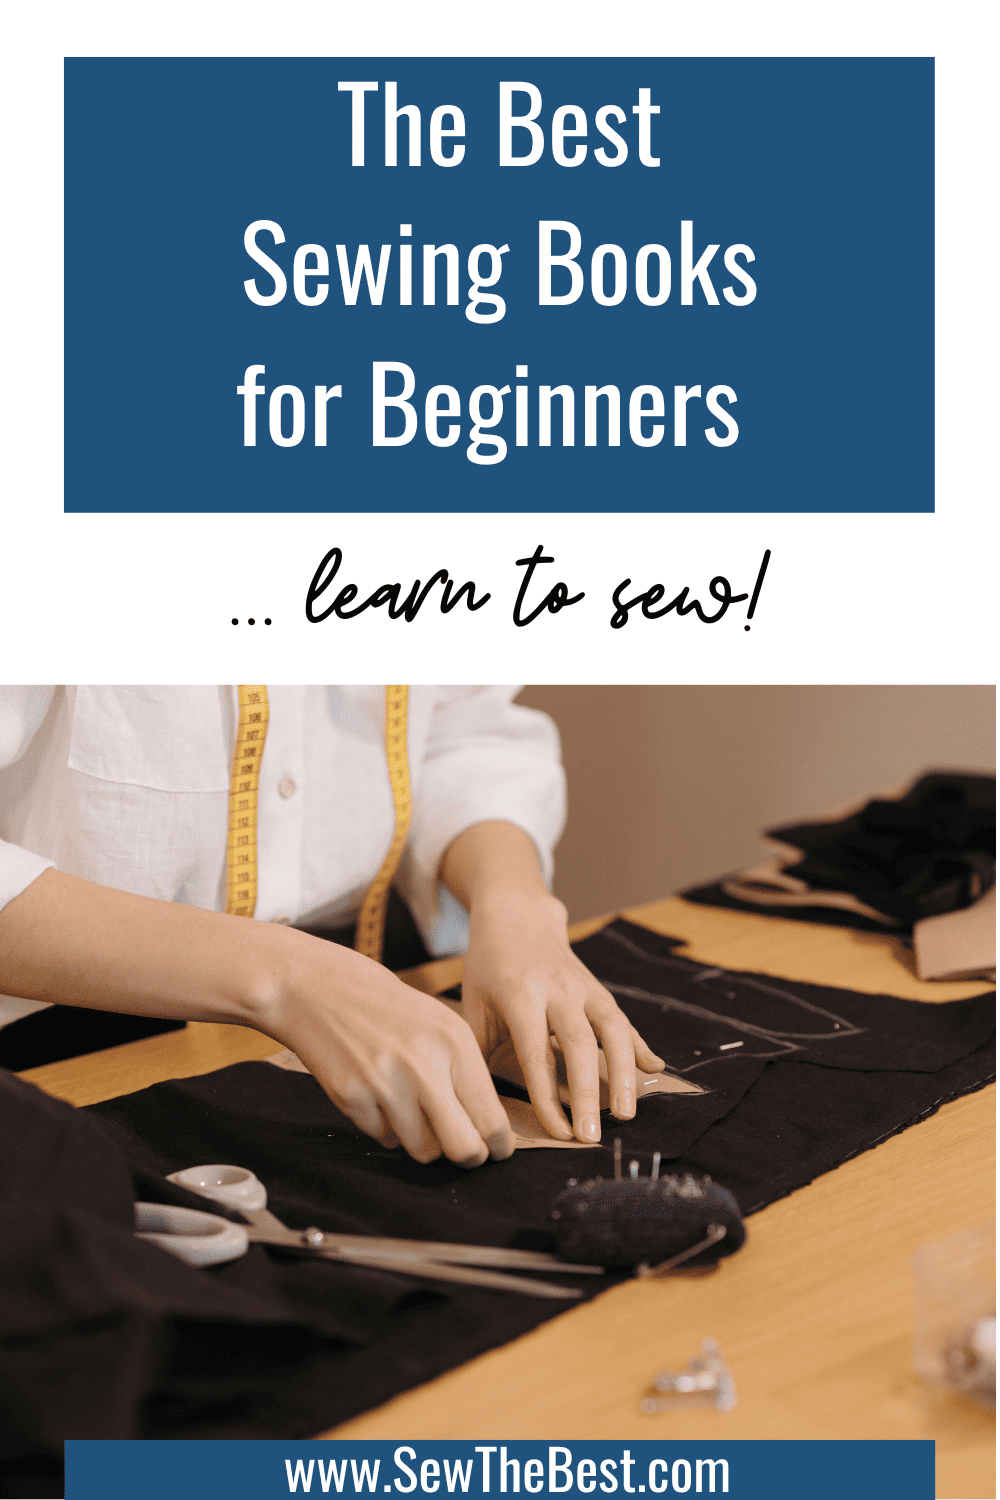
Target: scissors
205,1239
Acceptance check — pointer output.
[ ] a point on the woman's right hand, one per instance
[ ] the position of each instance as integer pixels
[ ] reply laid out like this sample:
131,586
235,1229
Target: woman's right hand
398,1063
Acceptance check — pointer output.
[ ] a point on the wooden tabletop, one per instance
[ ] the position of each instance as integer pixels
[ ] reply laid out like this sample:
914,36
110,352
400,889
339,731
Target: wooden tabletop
814,1316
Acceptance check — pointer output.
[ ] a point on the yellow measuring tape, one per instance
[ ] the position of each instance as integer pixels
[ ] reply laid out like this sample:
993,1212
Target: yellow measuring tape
244,783
244,780
371,922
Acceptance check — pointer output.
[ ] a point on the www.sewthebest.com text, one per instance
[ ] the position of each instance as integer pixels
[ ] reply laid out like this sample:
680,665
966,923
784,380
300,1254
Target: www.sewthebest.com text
493,1471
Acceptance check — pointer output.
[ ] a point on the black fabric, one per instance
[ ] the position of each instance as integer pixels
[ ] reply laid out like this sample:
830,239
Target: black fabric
823,916
102,1335
931,851
62,1031
874,1063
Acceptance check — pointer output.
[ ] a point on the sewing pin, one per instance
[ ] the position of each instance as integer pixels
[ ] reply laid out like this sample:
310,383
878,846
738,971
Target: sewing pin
714,1234
655,1173
633,1168
618,1158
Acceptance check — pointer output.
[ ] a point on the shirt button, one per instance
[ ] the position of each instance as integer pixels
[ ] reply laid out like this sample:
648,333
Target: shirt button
286,786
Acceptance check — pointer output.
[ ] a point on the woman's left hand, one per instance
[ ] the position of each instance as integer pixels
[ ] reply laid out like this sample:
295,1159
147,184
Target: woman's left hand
522,978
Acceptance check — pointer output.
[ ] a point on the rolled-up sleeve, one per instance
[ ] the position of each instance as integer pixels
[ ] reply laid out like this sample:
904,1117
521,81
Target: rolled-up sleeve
485,758
22,710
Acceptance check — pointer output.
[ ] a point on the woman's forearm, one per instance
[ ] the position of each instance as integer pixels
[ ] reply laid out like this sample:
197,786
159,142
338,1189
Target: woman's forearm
398,1063
494,859
72,942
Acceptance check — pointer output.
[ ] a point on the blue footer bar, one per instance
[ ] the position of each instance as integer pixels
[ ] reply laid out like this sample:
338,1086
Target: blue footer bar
276,1470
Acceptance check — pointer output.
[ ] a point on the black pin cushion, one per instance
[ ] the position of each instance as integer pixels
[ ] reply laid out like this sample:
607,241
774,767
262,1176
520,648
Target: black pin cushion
623,1222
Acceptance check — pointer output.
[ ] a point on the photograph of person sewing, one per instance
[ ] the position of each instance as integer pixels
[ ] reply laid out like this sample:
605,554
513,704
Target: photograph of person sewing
250,938
143,826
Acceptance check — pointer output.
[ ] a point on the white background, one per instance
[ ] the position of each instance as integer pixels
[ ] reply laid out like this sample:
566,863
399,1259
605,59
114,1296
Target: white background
149,598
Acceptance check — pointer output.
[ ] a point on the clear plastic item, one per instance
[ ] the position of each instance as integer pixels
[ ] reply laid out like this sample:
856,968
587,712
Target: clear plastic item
706,1381
954,1315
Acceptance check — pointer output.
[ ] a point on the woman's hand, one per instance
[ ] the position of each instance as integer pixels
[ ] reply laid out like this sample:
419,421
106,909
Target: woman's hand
399,1064
521,978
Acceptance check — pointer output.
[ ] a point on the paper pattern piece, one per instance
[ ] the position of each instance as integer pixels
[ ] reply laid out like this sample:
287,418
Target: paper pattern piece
529,1132
958,943
503,1064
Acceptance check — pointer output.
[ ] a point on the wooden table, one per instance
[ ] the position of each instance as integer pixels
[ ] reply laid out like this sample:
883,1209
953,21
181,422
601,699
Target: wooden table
814,1316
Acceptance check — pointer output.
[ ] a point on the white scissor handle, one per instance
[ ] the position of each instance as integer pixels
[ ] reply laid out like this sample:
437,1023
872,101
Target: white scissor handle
236,1187
200,1239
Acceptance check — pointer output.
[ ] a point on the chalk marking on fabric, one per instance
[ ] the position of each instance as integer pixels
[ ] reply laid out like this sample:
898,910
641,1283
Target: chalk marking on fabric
685,965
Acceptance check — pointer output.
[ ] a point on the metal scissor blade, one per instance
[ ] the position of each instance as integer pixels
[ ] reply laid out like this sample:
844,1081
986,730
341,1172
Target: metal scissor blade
462,1255
433,1270
271,1231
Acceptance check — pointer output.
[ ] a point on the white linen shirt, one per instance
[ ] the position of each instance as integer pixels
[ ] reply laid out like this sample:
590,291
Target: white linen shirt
129,787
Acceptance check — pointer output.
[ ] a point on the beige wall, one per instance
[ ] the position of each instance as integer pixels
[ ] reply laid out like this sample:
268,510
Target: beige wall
670,785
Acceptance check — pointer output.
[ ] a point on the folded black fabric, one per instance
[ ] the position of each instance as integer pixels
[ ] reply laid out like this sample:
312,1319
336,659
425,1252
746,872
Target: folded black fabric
715,894
797,1077
105,1335
931,851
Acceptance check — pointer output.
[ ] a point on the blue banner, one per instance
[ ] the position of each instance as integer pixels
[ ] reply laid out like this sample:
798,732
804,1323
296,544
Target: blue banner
275,1470
606,284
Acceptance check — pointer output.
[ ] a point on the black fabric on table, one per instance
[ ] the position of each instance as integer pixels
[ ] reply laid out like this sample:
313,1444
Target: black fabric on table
103,1335
823,1074
931,851
61,1031
825,916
